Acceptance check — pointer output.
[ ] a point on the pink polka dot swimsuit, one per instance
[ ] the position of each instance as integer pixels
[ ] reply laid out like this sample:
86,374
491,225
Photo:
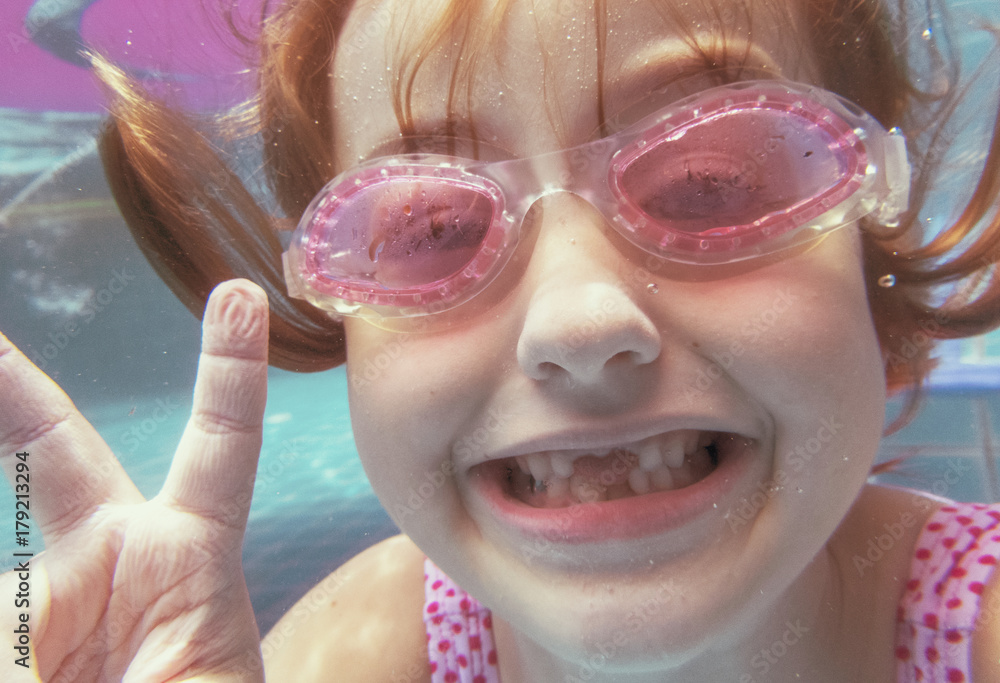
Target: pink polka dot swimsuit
955,556
459,632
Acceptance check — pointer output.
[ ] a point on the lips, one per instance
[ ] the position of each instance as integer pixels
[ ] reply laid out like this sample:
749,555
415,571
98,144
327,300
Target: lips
623,492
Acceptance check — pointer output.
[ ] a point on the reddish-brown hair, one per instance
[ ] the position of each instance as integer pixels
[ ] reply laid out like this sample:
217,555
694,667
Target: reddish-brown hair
198,224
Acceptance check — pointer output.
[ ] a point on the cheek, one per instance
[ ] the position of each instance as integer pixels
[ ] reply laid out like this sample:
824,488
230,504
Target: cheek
818,373
822,349
796,338
801,334
838,353
409,395
827,391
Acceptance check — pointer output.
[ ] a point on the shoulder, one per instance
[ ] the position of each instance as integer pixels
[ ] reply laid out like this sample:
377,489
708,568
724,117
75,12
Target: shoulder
893,505
363,622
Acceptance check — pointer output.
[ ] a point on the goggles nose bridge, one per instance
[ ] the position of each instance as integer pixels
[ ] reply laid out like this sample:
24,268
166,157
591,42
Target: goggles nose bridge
582,171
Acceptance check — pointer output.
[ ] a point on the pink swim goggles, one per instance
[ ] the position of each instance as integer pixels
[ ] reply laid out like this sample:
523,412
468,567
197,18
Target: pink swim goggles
732,173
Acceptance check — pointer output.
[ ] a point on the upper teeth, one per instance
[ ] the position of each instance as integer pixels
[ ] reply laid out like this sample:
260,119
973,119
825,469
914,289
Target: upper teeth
655,453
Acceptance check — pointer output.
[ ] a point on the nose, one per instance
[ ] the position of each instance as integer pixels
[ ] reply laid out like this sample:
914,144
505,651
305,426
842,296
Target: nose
584,331
581,320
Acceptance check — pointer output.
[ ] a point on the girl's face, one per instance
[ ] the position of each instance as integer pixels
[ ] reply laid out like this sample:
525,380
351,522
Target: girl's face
764,379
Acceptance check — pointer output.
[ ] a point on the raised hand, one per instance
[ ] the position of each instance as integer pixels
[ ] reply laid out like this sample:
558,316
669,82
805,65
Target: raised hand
129,589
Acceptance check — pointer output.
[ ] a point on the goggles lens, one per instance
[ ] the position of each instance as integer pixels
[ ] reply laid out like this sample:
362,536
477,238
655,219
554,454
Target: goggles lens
729,174
732,173
401,232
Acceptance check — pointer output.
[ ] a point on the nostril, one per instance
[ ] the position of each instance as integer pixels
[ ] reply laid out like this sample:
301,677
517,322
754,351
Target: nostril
647,353
626,357
545,370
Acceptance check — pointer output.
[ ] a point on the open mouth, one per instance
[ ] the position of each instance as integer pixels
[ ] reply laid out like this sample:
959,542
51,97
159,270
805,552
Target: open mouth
564,478
682,479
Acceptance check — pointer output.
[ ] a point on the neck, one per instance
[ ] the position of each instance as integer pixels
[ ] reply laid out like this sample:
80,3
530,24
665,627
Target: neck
800,636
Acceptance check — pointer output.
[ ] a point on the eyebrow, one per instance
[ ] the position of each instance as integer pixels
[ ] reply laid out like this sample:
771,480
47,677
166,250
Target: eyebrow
439,136
663,65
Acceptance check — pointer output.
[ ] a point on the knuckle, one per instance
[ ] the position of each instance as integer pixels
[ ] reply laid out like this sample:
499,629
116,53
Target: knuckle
25,436
222,424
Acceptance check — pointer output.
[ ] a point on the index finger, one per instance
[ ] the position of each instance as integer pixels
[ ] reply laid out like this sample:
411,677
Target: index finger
213,470
68,467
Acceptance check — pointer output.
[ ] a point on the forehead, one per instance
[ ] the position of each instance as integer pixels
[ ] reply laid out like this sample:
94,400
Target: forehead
527,78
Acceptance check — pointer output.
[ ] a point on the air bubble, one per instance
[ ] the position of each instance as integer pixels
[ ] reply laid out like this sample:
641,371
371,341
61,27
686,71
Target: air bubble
652,288
887,280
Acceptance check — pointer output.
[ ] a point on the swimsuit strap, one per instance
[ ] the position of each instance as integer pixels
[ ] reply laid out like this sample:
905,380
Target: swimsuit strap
459,632
955,556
